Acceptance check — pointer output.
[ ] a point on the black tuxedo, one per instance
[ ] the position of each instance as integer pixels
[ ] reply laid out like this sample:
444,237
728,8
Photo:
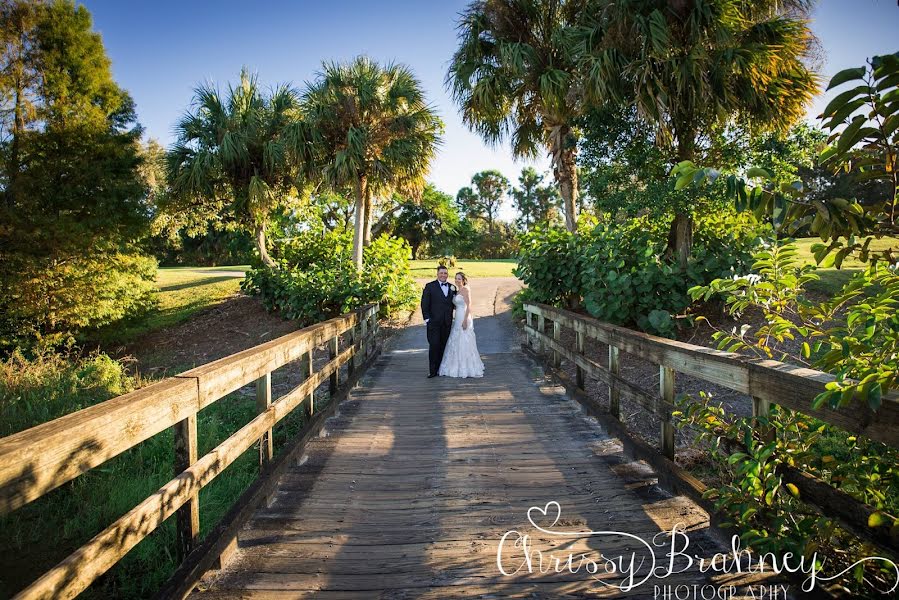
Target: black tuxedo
437,310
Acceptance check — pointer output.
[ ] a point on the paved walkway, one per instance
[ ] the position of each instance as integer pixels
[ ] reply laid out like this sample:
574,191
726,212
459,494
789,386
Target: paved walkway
412,490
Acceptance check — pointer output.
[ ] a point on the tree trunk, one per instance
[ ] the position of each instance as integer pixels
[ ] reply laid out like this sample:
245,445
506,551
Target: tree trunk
366,238
682,236
261,246
359,234
565,172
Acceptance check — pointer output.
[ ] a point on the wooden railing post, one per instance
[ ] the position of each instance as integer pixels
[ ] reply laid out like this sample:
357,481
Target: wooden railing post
541,327
666,389
614,394
306,372
557,334
761,408
363,348
333,381
263,401
579,373
529,319
351,364
188,519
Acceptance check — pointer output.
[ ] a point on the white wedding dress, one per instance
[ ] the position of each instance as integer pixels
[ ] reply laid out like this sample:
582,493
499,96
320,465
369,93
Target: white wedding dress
461,357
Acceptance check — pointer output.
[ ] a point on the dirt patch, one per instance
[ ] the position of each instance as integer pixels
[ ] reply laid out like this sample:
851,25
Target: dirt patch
238,323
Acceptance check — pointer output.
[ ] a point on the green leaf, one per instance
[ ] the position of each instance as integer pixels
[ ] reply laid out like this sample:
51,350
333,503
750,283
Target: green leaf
843,98
683,180
875,396
846,75
758,172
793,489
876,519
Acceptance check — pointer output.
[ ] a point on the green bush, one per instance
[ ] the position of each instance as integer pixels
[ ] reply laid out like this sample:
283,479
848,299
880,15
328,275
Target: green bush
36,390
317,280
621,271
52,300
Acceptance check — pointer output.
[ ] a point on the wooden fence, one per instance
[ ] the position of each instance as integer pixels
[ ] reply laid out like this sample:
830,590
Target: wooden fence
766,381
40,459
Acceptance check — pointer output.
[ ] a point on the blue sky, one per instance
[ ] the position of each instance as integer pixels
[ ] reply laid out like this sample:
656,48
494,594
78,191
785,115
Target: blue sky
160,50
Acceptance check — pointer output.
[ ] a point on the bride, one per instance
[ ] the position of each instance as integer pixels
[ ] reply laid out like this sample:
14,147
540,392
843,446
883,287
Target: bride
461,357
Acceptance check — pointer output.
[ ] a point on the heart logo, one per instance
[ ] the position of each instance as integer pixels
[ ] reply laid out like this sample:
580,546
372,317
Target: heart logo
545,513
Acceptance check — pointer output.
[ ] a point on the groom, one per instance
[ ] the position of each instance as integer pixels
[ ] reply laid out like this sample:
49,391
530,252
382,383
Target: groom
437,309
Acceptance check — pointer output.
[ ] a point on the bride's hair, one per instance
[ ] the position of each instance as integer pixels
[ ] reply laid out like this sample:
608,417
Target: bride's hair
464,278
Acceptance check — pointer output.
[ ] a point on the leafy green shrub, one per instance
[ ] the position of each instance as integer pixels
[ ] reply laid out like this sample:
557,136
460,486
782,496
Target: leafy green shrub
854,335
36,390
317,280
750,461
621,271
549,263
52,300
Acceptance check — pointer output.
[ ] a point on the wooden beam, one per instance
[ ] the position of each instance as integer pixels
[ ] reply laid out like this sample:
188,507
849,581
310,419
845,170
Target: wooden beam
614,393
263,401
218,541
306,367
82,567
38,460
579,373
188,520
334,382
557,333
627,390
788,385
666,392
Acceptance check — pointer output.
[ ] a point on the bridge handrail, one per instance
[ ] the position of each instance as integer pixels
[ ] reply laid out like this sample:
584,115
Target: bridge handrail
40,459
771,381
766,381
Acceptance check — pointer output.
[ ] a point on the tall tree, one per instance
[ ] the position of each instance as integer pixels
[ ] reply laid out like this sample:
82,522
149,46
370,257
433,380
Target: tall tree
239,153
75,202
513,76
374,133
19,78
484,198
534,201
420,222
688,65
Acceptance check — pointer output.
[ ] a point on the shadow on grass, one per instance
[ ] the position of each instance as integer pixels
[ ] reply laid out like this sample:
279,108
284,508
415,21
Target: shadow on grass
196,283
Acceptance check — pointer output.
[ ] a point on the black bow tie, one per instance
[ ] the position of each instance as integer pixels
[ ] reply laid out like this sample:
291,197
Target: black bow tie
444,284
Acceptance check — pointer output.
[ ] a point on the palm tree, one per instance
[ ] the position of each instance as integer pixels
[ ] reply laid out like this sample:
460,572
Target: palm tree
513,76
374,133
689,65
241,153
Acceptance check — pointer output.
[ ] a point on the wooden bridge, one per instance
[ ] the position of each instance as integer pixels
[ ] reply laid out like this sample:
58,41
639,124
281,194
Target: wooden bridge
403,487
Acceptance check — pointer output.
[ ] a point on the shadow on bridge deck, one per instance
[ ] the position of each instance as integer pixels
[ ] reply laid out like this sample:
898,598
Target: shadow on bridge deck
410,493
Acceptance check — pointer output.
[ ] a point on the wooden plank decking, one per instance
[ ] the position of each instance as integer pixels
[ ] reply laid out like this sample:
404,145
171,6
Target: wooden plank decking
411,491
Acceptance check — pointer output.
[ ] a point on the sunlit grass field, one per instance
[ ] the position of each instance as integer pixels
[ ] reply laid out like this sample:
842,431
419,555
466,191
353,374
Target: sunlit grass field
182,292
471,268
833,279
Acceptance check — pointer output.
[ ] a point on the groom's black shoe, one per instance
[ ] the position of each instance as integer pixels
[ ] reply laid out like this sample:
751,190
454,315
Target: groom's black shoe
432,375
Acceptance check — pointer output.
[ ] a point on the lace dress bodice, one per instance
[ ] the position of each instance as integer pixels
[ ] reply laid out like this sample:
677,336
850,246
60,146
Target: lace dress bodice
461,307
461,357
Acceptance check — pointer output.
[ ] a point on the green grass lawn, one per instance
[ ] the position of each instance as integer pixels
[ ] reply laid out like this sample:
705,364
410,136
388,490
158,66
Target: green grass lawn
833,279
472,268
183,291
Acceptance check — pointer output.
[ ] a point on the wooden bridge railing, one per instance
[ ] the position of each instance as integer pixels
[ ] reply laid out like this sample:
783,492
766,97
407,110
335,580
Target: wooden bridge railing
40,459
766,381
